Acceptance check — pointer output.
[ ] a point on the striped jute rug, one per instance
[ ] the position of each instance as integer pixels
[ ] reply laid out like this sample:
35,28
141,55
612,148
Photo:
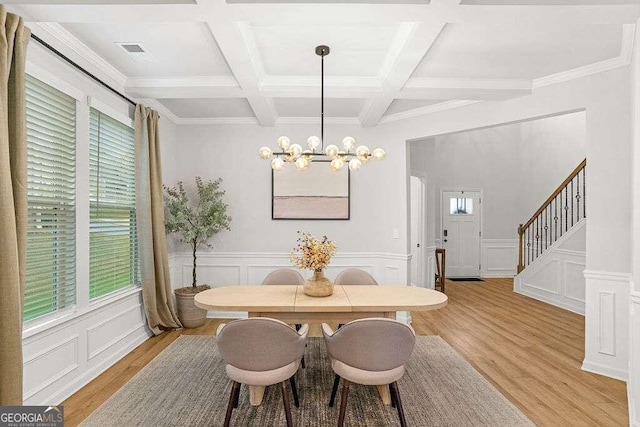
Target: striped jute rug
186,385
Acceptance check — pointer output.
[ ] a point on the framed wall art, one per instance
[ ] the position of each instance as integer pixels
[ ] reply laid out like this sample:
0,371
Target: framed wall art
315,193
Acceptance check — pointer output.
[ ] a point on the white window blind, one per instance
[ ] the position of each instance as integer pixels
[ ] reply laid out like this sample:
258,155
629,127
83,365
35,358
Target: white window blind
113,249
51,163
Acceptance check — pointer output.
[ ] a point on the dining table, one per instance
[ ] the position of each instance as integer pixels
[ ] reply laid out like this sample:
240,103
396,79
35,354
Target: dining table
290,304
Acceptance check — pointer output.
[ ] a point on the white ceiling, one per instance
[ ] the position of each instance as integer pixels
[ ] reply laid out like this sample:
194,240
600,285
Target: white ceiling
255,60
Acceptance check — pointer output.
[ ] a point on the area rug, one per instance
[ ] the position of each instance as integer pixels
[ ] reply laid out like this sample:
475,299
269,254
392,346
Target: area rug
186,385
464,279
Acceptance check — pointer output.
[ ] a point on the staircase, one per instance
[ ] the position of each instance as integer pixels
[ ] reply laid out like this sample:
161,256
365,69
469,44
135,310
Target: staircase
551,250
557,215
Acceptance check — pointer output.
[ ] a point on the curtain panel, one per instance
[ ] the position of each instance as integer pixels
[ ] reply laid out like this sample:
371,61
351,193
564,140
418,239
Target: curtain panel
13,202
154,260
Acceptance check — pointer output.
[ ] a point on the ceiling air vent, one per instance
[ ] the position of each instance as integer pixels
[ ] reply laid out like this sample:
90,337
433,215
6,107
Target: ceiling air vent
136,51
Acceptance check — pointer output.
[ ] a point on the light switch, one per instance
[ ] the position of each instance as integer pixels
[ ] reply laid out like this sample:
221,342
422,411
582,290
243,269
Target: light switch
395,234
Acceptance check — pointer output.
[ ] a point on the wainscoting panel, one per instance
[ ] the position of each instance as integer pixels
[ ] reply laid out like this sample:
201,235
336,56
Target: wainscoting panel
633,385
607,327
499,257
607,323
556,277
574,280
430,268
62,358
50,364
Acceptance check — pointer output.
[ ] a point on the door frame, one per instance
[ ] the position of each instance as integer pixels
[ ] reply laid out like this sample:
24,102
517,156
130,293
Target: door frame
422,268
481,239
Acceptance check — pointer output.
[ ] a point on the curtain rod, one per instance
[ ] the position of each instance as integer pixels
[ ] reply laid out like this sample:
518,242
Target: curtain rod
70,61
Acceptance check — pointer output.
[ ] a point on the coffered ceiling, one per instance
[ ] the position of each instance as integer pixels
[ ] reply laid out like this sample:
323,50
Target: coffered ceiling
216,61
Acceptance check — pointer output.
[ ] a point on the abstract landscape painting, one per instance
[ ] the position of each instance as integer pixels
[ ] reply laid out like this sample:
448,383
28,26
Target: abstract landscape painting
315,193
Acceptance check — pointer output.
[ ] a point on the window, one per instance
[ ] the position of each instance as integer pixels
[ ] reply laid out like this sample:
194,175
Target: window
460,206
113,243
51,205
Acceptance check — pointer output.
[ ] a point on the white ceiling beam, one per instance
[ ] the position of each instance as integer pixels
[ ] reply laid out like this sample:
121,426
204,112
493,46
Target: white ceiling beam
309,87
185,87
236,42
470,89
407,50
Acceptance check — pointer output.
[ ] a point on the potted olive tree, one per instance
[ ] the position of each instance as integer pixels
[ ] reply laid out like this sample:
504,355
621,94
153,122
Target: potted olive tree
196,222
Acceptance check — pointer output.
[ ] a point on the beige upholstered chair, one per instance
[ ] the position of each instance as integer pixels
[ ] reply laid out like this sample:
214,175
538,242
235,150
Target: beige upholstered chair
260,351
284,276
370,352
354,276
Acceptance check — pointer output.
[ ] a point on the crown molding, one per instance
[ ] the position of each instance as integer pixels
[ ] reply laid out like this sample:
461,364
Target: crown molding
218,121
447,83
622,60
429,109
161,109
59,33
195,81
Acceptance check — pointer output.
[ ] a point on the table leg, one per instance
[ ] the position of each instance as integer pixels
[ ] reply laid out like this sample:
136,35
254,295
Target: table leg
385,395
256,393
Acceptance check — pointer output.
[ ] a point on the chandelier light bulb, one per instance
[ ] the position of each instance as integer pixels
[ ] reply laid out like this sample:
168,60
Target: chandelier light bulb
348,143
363,153
378,154
284,142
337,164
313,142
295,150
332,151
355,164
277,164
302,163
265,152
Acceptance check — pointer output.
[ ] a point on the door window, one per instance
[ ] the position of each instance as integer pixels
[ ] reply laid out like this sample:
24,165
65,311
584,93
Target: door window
460,206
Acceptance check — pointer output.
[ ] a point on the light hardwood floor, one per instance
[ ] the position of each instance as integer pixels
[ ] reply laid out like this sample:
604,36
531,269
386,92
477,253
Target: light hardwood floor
530,351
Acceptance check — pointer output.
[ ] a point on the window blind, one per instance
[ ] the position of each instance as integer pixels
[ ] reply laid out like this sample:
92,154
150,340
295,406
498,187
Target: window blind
51,163
113,245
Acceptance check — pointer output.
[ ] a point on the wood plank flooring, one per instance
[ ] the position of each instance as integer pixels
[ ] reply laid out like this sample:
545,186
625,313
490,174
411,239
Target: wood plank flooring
530,351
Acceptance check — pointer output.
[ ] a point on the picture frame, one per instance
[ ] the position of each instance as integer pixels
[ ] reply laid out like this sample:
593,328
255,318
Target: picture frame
317,193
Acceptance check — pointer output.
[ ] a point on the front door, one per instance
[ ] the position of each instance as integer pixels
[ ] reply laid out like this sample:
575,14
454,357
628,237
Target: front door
461,232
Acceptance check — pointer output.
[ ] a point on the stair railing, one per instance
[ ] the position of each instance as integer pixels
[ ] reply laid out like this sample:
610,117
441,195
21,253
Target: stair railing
564,208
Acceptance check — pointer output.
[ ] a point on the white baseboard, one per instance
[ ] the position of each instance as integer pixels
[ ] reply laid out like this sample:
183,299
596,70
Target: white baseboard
596,368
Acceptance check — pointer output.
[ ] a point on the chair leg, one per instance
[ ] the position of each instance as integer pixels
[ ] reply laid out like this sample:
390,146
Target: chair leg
237,396
395,392
302,362
334,389
343,402
393,396
292,381
234,389
285,401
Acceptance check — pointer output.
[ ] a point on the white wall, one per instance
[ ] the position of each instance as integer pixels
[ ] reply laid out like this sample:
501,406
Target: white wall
517,166
231,152
67,350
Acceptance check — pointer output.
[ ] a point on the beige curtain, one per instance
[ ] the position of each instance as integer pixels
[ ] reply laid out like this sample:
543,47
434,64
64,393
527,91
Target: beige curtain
154,261
13,203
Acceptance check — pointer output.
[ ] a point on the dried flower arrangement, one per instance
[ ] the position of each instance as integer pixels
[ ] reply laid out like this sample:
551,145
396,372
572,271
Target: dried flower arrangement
311,252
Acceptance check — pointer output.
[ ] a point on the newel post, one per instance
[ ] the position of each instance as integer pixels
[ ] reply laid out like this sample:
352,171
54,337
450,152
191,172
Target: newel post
520,234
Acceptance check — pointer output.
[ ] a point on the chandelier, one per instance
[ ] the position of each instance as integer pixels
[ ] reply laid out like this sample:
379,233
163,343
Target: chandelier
293,153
